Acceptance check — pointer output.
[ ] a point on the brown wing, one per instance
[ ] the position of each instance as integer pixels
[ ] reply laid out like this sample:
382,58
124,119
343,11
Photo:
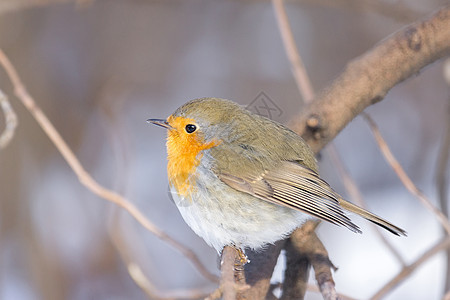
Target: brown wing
293,185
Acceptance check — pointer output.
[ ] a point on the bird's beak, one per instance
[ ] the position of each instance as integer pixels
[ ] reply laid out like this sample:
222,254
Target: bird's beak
160,122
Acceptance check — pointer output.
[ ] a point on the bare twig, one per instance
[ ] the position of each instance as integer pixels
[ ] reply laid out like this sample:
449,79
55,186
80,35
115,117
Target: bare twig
356,195
10,121
407,182
298,68
368,78
407,270
84,177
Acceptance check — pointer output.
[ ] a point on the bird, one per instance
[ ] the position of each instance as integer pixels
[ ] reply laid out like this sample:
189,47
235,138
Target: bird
240,179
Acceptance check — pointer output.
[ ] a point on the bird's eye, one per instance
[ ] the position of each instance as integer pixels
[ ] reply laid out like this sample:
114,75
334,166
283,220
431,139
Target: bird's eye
190,128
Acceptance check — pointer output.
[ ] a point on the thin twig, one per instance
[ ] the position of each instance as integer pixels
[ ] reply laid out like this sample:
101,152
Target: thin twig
297,66
356,195
10,121
407,182
406,271
84,177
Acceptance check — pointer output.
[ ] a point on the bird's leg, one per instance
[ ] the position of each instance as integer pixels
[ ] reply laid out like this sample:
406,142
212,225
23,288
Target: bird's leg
243,259
240,260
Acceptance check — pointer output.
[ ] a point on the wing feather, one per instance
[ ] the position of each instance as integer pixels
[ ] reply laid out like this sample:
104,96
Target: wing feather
293,185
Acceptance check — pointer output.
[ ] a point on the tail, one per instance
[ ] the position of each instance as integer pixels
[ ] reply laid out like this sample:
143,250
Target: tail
371,217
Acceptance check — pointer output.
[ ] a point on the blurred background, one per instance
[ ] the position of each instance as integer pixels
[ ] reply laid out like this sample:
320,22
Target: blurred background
99,69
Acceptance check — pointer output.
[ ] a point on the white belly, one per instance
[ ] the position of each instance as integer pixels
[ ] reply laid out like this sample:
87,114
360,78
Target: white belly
244,221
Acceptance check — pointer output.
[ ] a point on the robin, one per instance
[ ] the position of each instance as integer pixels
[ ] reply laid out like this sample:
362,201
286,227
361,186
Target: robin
243,180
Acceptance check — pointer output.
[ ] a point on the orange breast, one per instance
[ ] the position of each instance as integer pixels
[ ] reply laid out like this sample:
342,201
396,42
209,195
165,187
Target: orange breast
184,155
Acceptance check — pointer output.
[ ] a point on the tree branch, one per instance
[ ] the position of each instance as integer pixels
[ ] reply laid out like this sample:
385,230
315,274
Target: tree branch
368,78
304,249
259,271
